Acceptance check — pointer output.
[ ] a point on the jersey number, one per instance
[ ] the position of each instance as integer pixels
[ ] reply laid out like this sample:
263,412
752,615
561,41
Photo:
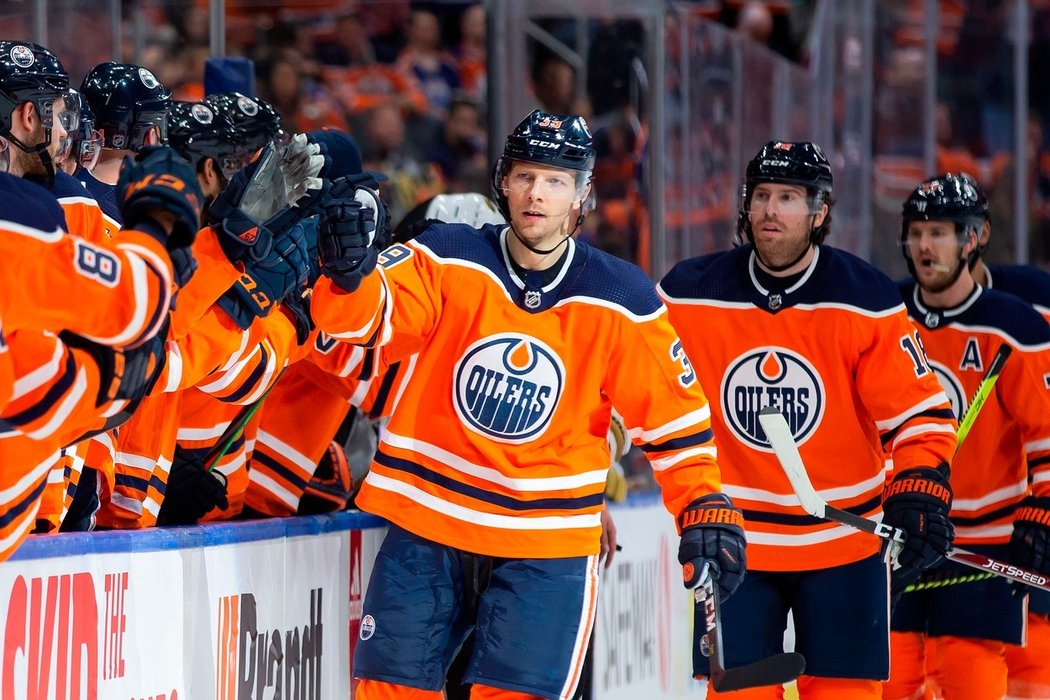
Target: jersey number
677,353
97,264
912,345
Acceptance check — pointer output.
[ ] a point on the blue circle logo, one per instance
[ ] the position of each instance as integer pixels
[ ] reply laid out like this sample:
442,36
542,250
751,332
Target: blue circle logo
508,386
777,377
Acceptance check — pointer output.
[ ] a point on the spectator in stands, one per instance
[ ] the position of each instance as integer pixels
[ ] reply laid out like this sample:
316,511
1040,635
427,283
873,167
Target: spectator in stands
755,21
554,84
302,109
349,45
424,58
471,52
386,149
460,150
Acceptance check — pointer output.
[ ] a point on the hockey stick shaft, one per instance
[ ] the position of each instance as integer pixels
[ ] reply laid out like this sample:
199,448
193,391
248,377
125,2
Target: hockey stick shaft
927,584
236,428
773,670
984,390
783,442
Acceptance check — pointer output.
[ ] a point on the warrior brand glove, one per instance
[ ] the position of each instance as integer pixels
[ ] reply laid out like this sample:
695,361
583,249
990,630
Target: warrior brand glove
159,179
331,486
713,533
353,227
918,501
1030,541
192,491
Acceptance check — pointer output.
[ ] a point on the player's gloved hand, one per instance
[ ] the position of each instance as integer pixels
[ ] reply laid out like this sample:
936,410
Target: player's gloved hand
124,375
158,181
918,501
192,491
353,226
713,532
286,268
331,486
1030,541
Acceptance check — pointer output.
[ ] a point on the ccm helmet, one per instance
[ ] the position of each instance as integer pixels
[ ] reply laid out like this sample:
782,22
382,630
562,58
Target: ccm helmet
790,163
548,139
129,102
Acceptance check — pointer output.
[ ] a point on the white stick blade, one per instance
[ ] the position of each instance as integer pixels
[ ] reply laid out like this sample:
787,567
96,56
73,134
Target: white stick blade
783,443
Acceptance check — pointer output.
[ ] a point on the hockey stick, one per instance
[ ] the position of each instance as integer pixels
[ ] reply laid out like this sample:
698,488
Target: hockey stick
774,670
236,428
926,584
783,442
984,390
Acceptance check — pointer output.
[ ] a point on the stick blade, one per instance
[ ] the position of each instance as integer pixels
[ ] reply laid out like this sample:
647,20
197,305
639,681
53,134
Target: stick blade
774,670
782,441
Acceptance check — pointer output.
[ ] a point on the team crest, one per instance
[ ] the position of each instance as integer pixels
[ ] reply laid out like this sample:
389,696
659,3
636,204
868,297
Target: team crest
507,387
952,387
777,377
148,79
202,113
22,56
248,105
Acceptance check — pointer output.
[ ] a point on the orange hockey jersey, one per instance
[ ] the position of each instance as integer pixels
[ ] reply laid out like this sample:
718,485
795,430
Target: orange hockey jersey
1009,443
116,293
305,410
837,354
498,446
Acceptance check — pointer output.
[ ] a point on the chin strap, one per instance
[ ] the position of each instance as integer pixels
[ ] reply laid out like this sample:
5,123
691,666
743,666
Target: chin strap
41,151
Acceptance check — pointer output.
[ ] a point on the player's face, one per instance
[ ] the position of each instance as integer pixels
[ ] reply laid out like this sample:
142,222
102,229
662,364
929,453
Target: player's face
542,202
935,252
781,222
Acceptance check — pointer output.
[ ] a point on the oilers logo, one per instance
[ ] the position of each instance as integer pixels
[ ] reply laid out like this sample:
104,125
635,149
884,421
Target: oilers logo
952,387
777,377
507,387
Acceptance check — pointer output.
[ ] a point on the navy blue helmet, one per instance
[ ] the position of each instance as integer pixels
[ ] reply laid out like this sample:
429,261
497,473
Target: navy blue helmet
800,163
129,103
547,139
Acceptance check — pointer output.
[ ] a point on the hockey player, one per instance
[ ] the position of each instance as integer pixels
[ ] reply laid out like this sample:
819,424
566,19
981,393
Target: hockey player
131,111
68,387
819,334
1028,665
494,492
1005,457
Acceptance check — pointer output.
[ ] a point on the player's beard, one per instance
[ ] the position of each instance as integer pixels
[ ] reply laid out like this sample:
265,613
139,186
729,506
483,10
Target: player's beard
941,281
784,249
29,163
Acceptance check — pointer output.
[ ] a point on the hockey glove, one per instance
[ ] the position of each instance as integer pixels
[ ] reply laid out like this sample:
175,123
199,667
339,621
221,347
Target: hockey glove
158,179
918,501
352,227
713,532
1030,541
124,375
192,491
331,486
284,269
